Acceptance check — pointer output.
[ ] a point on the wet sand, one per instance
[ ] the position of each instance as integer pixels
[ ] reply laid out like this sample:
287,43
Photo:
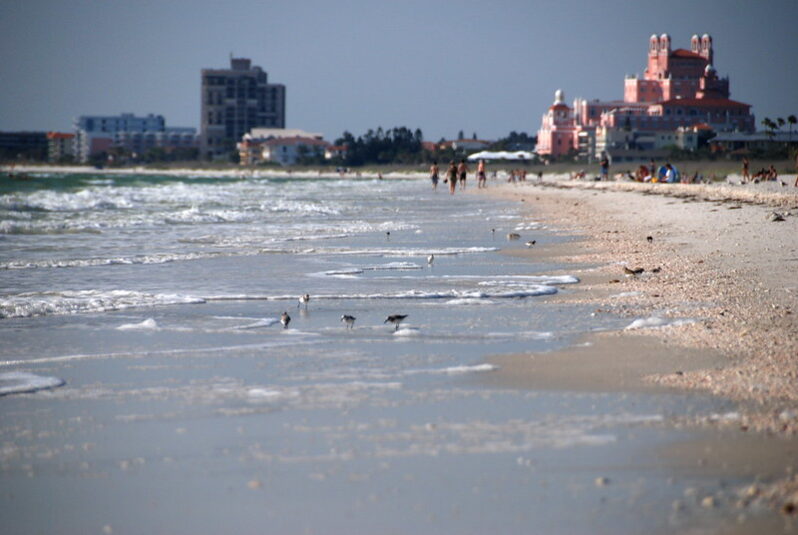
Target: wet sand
725,269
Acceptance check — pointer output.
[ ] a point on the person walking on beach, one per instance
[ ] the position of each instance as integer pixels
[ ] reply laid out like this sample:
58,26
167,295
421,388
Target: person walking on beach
462,172
433,175
451,176
746,174
481,178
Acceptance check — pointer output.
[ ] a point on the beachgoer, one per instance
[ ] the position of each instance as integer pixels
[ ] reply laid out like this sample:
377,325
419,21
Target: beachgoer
481,179
605,168
511,178
796,170
642,174
772,173
462,172
746,174
670,174
451,176
433,175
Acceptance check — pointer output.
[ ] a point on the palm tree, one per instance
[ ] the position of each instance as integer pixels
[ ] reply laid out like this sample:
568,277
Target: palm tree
781,122
769,126
792,120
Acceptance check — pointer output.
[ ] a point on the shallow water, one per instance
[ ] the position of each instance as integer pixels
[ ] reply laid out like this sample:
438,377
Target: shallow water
189,409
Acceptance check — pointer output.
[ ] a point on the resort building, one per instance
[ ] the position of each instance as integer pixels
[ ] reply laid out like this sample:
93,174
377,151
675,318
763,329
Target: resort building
95,134
254,149
134,135
679,89
233,102
60,146
31,146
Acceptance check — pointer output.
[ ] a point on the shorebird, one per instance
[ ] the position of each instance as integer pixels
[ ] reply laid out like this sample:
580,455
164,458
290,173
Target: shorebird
396,319
285,319
513,236
531,243
430,259
388,235
633,272
649,239
303,300
349,320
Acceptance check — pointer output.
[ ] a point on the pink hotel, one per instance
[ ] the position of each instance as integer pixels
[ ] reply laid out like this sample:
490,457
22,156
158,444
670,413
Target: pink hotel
679,90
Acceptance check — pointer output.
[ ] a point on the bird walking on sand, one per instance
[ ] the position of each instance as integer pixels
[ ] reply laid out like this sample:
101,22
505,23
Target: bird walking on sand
303,300
349,320
530,243
285,319
430,259
513,236
633,272
396,319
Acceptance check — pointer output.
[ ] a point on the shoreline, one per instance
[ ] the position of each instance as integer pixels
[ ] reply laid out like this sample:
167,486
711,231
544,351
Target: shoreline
719,316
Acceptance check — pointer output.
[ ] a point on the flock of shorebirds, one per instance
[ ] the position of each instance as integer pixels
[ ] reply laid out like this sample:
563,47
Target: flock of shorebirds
396,319
347,319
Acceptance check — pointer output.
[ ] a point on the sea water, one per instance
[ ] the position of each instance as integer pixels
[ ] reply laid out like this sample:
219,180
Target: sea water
186,407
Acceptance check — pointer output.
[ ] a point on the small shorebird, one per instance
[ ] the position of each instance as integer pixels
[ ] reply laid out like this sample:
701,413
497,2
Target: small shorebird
430,259
303,300
349,320
531,243
633,272
388,235
396,319
513,236
649,239
285,319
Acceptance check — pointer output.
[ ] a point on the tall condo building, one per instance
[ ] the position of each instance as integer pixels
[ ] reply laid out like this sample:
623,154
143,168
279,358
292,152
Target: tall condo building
234,101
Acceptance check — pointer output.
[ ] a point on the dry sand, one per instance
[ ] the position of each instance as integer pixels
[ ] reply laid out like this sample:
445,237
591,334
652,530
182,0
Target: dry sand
719,258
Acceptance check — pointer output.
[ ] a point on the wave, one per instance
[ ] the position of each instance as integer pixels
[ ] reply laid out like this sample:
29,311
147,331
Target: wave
32,304
22,382
530,291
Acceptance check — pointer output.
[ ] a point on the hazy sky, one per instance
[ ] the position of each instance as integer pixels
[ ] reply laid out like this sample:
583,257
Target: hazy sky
481,66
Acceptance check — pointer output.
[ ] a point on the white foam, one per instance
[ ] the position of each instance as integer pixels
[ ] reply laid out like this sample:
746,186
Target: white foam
469,301
657,322
147,325
73,302
21,382
407,331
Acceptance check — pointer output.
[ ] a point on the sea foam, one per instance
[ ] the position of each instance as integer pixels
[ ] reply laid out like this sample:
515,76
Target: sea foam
22,382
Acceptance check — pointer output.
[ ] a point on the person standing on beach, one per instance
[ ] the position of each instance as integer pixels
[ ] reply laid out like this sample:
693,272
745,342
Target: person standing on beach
462,172
605,168
481,178
746,174
433,175
451,176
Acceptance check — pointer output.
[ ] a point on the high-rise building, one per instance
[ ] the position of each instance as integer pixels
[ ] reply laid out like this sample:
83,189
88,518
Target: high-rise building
234,101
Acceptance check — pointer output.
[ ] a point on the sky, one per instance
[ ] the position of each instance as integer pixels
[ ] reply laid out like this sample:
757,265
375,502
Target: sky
484,67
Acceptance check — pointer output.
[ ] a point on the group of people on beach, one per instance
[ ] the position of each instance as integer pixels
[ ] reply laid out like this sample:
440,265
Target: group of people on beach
764,174
457,173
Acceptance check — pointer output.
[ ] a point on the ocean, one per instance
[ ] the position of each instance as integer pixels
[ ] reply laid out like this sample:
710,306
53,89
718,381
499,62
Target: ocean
140,313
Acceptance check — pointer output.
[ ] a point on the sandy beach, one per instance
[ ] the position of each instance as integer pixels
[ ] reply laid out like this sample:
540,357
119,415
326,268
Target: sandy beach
714,309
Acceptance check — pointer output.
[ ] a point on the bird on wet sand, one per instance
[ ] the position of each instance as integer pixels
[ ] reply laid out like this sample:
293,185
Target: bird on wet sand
633,272
513,236
430,259
388,235
285,319
530,243
304,300
396,319
349,320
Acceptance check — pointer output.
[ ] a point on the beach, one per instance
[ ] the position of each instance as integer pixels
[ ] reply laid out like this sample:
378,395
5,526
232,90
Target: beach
713,310
148,385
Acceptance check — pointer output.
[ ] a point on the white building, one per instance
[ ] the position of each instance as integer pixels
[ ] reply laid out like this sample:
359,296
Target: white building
288,150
